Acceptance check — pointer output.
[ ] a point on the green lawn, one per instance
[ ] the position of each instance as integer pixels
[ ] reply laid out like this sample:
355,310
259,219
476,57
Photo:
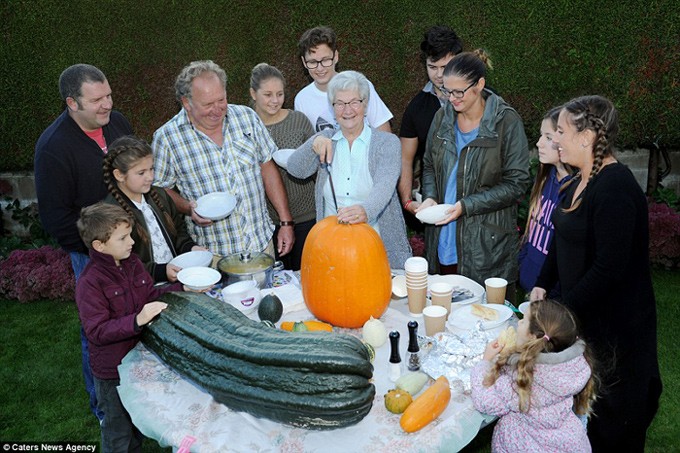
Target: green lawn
42,397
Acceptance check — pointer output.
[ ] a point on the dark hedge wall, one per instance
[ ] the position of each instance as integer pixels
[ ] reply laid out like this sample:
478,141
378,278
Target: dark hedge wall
544,53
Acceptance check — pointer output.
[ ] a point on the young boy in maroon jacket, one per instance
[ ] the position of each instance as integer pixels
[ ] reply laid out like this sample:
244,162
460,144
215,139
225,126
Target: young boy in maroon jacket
116,297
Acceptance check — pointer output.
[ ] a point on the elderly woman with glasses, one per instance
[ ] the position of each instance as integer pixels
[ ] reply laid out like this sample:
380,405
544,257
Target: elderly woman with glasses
477,160
359,171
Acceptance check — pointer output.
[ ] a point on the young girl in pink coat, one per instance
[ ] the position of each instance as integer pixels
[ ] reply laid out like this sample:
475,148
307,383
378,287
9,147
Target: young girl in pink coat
537,388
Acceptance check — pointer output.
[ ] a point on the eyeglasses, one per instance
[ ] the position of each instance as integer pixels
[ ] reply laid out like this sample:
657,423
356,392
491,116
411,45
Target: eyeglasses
355,105
313,64
458,94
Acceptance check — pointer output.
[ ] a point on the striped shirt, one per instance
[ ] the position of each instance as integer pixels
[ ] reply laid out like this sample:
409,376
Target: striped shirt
189,160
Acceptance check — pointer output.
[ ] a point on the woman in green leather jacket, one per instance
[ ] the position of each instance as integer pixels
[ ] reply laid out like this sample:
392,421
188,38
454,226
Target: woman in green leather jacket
476,159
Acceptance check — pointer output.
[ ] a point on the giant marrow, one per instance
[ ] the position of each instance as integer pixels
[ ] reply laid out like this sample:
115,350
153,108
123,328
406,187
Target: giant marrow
315,380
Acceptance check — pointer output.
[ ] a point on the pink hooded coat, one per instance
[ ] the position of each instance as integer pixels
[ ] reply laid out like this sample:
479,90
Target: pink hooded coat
550,425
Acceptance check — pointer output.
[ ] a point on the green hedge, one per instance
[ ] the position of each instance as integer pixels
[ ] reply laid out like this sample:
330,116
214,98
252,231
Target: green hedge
544,53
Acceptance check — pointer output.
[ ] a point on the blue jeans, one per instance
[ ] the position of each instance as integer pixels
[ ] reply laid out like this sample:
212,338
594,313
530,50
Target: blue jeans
78,262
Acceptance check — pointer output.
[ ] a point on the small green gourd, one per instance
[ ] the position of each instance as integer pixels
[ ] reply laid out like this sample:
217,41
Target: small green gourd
412,382
270,308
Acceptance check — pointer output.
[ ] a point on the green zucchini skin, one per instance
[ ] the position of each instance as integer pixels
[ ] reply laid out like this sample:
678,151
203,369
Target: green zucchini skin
313,380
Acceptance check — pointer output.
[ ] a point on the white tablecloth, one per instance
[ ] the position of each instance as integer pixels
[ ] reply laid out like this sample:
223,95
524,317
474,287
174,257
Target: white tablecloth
166,407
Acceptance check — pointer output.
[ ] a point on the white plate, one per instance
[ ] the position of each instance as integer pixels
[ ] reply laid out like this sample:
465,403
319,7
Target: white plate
200,258
215,205
459,281
523,307
464,319
281,157
199,278
433,214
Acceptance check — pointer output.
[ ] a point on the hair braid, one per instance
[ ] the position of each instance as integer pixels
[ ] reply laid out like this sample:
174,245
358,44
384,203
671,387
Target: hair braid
123,153
170,225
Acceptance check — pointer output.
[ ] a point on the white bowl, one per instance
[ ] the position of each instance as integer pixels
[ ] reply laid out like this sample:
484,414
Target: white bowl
399,286
215,205
523,307
281,157
243,295
434,214
196,258
199,278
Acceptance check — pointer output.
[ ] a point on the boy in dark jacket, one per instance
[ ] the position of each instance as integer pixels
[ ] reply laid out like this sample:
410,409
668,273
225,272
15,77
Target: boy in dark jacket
116,298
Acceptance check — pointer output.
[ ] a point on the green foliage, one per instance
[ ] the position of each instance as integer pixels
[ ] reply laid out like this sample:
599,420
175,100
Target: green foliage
667,196
543,54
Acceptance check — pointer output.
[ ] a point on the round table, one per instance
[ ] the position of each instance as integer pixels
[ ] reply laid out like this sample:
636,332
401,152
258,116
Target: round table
167,408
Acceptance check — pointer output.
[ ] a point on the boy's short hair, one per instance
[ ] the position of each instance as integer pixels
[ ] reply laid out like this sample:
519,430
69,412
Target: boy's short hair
98,221
316,36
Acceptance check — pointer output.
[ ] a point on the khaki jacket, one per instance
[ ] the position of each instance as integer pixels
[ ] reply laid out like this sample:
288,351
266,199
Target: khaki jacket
492,177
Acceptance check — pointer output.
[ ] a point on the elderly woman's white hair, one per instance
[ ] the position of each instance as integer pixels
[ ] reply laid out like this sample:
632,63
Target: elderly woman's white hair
349,81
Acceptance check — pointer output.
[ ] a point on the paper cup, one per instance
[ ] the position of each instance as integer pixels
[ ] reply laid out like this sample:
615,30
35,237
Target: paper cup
440,294
435,319
416,299
415,264
495,290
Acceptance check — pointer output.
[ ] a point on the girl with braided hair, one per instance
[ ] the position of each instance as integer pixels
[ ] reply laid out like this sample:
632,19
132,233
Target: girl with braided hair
600,256
160,231
541,387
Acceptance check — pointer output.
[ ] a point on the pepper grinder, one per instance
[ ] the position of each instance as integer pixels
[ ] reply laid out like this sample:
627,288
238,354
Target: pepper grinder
395,358
413,348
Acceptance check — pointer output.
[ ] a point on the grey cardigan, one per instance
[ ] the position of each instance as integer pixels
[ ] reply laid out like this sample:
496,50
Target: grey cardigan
384,163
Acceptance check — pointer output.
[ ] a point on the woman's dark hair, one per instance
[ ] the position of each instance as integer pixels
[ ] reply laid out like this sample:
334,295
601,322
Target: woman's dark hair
123,153
470,66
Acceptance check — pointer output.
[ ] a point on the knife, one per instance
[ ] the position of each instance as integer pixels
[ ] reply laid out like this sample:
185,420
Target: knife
330,181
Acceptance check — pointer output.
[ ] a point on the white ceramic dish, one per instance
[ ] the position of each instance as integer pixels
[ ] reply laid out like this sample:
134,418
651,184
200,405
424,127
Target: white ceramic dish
464,319
399,286
196,258
281,157
244,296
523,307
433,214
199,278
215,205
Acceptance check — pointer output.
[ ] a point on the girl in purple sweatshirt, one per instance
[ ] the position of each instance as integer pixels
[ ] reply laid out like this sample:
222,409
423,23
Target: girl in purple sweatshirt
538,387
544,197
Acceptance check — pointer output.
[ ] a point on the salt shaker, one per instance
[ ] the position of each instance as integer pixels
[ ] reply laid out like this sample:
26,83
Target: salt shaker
413,348
395,358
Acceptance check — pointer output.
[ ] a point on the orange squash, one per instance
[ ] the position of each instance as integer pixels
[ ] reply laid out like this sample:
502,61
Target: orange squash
345,275
312,326
428,406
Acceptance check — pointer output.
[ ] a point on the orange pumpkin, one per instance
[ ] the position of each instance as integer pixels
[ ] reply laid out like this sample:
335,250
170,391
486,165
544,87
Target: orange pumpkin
428,406
345,275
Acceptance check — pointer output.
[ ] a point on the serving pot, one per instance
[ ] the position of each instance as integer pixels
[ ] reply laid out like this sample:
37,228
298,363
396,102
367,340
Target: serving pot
258,266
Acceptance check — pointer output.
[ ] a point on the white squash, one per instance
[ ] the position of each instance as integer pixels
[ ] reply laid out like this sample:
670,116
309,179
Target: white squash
374,332
412,382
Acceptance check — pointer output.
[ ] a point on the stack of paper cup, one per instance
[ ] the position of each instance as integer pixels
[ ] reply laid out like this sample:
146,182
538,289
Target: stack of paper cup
441,293
415,270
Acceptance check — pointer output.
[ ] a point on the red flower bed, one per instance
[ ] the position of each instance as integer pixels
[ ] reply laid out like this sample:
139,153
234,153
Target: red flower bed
664,235
43,273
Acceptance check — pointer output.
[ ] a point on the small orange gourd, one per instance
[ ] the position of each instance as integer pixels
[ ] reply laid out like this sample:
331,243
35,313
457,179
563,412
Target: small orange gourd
312,326
345,274
428,406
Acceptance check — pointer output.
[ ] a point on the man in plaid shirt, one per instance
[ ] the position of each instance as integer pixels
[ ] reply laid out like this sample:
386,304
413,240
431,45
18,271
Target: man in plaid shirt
212,146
